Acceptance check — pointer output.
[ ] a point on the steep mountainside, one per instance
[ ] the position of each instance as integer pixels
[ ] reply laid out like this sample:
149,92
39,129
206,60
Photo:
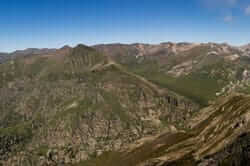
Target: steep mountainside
198,71
172,104
74,104
218,135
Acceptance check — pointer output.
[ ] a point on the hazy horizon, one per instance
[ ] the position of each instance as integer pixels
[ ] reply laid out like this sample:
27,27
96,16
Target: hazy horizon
47,24
121,43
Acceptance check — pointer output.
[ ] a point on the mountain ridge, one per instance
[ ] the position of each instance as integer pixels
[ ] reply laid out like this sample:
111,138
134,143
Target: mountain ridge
79,99
137,104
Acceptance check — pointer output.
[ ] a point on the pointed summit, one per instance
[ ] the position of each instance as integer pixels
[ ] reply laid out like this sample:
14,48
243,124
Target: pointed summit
66,47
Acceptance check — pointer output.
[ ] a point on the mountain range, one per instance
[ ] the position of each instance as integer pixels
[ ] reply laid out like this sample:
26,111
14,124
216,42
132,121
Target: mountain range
168,104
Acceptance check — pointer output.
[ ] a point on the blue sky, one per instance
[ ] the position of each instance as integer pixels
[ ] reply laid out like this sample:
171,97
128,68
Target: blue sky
54,23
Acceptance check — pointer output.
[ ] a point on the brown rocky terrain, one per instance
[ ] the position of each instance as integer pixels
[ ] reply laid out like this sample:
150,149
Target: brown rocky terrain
69,105
115,105
218,135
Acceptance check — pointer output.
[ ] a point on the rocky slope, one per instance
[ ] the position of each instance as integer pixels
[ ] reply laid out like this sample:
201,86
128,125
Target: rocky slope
115,105
187,68
74,104
218,135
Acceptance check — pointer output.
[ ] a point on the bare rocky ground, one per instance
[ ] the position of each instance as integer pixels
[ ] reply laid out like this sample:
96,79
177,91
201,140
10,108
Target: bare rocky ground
218,135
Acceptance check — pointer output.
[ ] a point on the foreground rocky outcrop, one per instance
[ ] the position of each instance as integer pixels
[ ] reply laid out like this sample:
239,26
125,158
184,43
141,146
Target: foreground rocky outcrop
235,154
218,135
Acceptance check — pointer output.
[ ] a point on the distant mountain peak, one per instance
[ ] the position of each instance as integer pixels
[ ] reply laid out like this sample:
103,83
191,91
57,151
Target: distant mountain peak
30,51
66,47
82,46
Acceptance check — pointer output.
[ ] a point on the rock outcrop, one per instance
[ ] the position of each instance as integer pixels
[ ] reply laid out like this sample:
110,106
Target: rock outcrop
218,135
